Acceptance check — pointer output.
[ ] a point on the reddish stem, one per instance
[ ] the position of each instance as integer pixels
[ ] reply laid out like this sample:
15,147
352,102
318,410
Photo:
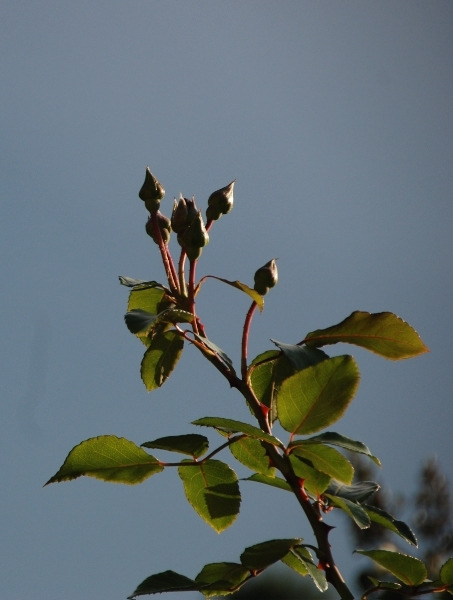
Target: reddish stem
245,339
165,254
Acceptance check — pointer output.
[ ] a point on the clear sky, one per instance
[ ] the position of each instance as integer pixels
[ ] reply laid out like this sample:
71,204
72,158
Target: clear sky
336,120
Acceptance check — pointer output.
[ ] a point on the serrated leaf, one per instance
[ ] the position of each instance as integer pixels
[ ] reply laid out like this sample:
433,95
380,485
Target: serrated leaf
353,510
220,579
326,459
216,350
277,482
168,581
192,443
160,358
148,299
407,569
315,482
260,556
317,397
253,294
336,439
232,426
250,452
301,356
446,572
383,333
109,458
318,576
212,489
357,492
383,519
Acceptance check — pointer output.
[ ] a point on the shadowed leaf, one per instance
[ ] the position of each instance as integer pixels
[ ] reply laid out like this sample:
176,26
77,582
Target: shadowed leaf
407,569
193,444
160,358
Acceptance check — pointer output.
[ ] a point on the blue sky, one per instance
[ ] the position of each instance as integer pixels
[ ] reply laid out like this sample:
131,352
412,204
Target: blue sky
336,120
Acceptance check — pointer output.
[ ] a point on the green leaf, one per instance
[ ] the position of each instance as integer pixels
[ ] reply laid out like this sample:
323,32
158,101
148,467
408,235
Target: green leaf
407,569
109,458
335,439
148,299
325,459
212,489
221,579
168,581
353,510
301,356
260,556
231,426
254,295
267,372
383,519
138,320
138,283
250,452
300,560
216,350
315,482
277,482
318,396
357,492
446,572
160,358
383,333
193,444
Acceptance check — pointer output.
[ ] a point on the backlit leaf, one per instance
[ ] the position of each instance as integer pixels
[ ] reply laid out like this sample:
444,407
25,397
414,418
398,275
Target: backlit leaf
192,443
250,452
260,556
168,581
353,510
220,579
160,358
299,559
216,350
315,482
109,458
446,572
336,439
148,299
253,294
383,333
277,482
383,519
212,489
407,569
232,426
316,397
327,460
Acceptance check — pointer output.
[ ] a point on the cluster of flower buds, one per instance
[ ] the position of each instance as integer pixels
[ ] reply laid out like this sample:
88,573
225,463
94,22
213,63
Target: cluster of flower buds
164,225
220,202
187,222
266,277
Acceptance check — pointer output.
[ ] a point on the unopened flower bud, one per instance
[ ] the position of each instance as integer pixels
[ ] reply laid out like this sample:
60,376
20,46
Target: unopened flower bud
164,225
179,216
195,236
266,277
220,202
151,192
